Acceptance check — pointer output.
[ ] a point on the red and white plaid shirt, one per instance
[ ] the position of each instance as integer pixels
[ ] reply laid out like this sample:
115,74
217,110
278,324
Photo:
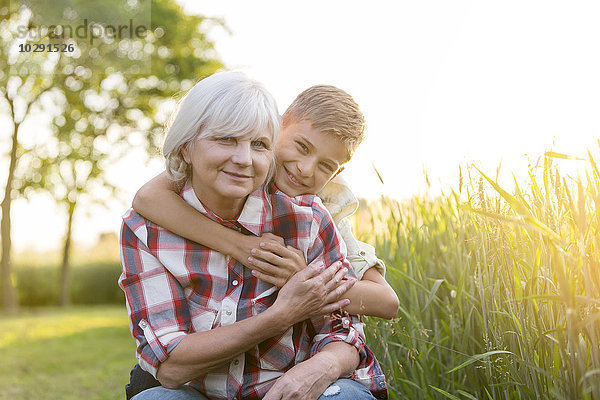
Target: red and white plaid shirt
175,287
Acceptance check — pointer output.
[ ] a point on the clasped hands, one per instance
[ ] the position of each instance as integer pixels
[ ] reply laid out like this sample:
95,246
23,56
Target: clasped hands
305,291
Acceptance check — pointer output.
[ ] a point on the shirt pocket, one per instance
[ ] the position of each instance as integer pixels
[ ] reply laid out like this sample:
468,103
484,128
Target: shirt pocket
264,300
203,318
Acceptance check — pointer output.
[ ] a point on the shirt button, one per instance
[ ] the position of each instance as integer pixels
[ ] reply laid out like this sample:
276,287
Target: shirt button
228,312
143,325
236,362
362,253
235,283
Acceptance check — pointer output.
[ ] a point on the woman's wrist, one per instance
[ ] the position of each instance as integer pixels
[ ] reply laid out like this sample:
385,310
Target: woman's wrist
277,319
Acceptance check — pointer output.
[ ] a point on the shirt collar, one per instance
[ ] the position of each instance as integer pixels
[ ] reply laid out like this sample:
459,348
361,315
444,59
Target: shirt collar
338,198
253,216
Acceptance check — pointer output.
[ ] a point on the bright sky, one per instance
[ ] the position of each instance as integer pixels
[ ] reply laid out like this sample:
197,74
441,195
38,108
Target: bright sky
440,83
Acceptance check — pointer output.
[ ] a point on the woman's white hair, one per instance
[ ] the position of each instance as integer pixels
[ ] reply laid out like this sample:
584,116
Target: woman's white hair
223,104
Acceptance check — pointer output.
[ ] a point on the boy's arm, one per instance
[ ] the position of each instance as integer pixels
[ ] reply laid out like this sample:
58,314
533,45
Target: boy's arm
361,255
159,201
372,295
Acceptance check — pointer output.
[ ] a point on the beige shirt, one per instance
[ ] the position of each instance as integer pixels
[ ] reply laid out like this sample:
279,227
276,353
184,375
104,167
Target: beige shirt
341,203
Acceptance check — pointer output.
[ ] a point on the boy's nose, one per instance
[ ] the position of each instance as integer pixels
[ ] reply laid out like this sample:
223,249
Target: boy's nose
306,168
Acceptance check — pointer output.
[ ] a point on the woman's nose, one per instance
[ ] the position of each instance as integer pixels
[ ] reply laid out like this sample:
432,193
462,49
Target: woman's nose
242,154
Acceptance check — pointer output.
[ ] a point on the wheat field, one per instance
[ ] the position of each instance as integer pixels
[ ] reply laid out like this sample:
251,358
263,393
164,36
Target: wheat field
499,289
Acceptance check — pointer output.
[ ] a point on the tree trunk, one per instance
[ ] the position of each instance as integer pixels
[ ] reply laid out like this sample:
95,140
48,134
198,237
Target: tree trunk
9,293
65,279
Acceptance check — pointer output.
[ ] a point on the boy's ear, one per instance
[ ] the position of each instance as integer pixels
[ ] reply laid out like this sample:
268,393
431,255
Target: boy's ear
340,169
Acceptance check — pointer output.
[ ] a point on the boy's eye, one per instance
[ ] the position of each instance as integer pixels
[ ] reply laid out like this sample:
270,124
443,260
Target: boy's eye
302,147
328,168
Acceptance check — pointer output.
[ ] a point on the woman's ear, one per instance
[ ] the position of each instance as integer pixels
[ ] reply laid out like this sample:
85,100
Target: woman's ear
185,152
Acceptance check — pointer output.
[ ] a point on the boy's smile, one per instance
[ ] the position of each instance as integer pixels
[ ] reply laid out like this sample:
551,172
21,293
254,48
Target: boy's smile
306,159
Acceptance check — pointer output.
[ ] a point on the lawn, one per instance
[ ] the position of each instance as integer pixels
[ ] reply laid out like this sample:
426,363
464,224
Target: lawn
74,353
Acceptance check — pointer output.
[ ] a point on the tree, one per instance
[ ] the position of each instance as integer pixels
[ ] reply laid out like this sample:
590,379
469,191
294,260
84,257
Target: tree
97,104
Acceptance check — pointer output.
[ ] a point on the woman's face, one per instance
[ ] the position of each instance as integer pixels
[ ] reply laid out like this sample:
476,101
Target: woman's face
226,170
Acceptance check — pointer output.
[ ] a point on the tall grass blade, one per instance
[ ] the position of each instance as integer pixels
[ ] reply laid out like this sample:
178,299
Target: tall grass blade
448,395
478,357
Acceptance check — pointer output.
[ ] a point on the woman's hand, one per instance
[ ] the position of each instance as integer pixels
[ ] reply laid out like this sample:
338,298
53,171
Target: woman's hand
310,293
305,381
276,263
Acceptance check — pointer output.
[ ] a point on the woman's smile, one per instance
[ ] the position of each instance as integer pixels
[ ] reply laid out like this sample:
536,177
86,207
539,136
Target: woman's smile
238,176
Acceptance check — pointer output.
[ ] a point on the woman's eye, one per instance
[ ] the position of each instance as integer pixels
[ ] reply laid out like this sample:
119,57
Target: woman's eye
226,139
259,143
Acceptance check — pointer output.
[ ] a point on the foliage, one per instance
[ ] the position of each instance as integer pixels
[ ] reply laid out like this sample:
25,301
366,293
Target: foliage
499,292
92,284
96,102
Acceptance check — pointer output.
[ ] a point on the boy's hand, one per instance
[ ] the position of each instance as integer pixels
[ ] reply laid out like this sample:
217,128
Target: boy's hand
276,263
241,249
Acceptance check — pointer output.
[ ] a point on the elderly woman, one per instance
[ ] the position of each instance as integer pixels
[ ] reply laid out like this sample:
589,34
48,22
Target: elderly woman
205,327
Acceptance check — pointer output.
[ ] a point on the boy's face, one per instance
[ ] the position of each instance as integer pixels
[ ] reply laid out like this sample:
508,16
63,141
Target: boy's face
306,159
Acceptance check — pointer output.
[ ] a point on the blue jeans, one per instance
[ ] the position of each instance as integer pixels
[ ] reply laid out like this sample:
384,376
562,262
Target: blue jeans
342,389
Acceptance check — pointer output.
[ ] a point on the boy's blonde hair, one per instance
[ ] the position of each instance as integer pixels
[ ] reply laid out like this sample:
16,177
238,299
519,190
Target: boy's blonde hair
329,110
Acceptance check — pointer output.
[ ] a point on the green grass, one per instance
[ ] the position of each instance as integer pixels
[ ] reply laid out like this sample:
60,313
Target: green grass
56,354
